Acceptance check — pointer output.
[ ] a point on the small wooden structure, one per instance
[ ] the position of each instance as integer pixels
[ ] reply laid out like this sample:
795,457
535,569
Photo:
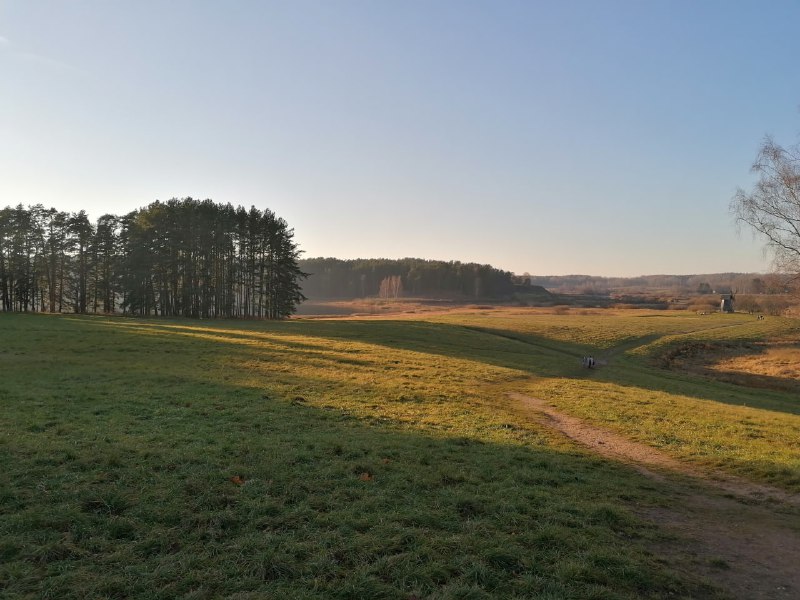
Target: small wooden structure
726,303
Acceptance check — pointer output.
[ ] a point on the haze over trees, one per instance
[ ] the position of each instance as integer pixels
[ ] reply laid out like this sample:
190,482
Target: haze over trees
772,207
361,278
332,278
716,283
182,257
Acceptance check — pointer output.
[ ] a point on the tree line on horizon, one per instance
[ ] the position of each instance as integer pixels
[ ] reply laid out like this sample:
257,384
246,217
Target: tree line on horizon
183,257
331,278
713,283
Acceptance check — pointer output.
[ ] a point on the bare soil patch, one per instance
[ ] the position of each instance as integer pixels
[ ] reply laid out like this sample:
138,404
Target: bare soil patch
750,551
743,536
600,440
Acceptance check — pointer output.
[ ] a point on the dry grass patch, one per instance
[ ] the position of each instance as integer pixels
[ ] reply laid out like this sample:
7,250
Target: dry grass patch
778,359
771,365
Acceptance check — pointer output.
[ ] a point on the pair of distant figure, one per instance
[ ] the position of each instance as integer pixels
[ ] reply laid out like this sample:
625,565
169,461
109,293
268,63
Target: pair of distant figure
588,362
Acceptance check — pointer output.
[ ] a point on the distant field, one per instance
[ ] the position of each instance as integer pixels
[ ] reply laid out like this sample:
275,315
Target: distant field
751,430
379,457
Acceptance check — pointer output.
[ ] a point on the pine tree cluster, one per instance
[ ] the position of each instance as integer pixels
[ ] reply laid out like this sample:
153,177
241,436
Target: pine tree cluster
182,257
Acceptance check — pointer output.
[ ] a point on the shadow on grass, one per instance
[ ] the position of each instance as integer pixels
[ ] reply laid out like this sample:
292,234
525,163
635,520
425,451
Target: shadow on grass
533,355
328,348
703,357
146,473
545,357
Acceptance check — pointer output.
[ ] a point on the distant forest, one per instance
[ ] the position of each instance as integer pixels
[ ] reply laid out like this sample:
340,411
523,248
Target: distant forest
183,257
717,283
332,278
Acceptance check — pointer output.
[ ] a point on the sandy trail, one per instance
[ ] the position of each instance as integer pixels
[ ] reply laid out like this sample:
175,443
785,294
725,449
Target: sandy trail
743,536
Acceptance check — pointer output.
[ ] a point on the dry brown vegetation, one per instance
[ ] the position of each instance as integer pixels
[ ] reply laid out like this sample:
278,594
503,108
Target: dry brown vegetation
777,359
769,364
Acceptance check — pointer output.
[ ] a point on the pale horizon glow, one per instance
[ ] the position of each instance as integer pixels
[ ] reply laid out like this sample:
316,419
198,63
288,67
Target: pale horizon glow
601,138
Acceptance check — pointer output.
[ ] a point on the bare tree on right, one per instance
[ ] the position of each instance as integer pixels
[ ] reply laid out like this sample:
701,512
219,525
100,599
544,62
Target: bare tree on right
772,207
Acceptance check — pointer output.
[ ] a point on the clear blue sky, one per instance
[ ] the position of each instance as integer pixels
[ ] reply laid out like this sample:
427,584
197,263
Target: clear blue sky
599,137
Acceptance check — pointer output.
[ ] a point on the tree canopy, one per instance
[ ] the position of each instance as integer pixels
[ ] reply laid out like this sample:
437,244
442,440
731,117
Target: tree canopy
182,257
772,207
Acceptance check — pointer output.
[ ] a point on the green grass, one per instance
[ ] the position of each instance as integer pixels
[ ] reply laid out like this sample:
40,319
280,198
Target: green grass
120,439
751,432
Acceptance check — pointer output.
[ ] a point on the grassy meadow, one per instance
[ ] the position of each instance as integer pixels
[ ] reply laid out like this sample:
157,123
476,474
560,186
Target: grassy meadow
365,458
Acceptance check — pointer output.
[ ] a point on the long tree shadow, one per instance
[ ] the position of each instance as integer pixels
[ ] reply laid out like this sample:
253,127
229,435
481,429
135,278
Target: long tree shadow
534,355
137,470
543,357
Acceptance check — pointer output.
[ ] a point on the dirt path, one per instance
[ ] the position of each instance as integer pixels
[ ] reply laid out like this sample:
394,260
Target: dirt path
743,536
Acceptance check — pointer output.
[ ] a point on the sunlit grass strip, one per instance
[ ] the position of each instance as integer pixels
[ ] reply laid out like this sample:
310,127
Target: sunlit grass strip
597,331
170,458
734,328
147,465
749,442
